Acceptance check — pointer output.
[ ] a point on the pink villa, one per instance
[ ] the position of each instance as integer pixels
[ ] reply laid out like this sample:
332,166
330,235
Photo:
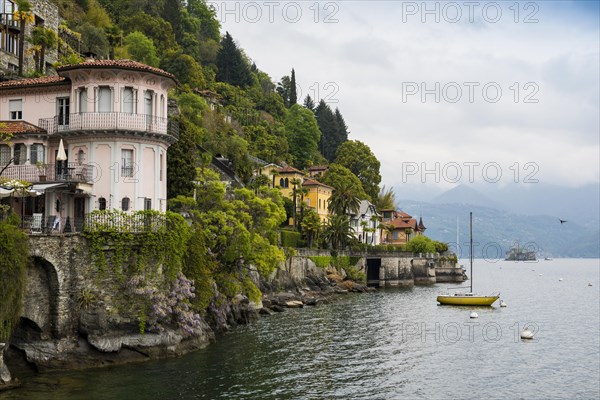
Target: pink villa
111,116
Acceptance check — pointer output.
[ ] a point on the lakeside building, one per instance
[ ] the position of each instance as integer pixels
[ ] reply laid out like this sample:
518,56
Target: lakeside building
111,117
313,193
365,223
44,14
400,227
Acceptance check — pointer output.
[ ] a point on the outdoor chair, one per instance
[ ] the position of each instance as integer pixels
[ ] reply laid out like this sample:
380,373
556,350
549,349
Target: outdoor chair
36,223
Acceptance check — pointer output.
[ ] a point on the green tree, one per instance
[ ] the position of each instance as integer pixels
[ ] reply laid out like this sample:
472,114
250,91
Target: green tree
24,16
154,27
358,158
311,227
44,39
185,68
303,135
232,68
420,244
309,103
182,159
329,130
284,87
338,232
141,48
293,95
94,40
344,200
386,199
337,176
13,263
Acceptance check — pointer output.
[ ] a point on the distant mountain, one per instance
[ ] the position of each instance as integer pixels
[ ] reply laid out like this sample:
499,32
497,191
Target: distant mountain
579,205
463,194
496,231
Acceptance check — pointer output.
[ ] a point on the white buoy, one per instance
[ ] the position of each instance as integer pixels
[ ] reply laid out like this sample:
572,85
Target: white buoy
474,315
560,279
526,334
502,303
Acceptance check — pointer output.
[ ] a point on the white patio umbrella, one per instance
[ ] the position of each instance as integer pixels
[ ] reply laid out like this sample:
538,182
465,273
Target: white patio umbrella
62,155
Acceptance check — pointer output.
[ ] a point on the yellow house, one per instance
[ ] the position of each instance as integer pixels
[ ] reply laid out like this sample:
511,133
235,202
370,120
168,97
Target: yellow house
284,180
318,197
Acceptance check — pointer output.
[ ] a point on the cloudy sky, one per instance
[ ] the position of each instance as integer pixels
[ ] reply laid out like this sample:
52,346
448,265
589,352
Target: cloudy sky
444,91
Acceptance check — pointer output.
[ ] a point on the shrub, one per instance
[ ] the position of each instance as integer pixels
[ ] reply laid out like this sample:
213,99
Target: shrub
290,238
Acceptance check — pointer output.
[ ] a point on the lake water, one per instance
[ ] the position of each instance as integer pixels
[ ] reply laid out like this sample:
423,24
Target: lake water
392,344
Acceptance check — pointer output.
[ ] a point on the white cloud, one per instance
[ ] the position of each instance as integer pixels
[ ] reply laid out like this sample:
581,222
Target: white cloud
370,53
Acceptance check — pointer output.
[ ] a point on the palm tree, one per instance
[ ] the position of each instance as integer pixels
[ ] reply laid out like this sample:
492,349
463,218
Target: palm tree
295,182
24,15
338,231
311,225
344,200
386,199
43,38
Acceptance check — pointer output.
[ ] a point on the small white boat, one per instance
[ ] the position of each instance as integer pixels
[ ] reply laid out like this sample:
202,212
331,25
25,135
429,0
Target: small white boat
526,334
548,258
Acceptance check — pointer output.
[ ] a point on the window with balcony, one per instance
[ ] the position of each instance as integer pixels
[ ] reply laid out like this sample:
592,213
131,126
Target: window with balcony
15,109
148,102
105,100
129,104
20,154
127,163
37,153
102,204
63,109
125,204
83,100
4,154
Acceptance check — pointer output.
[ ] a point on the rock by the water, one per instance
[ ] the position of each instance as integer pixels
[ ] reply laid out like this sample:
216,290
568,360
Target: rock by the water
294,304
266,311
277,308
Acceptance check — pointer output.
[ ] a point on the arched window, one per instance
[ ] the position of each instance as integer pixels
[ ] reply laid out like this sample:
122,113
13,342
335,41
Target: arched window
125,204
287,183
281,182
102,203
80,156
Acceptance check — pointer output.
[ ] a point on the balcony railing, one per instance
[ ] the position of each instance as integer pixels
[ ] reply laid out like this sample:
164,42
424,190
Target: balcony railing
71,172
109,121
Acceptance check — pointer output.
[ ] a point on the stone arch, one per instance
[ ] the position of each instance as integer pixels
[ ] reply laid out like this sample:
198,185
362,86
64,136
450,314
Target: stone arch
40,305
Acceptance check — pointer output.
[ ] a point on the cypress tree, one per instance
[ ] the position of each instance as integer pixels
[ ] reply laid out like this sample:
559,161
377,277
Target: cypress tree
329,130
232,68
293,95
309,103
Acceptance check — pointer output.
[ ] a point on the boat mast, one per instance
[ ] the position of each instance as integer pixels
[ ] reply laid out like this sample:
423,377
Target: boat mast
471,245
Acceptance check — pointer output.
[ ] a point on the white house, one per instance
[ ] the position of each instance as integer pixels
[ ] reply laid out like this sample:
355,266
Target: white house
111,116
365,222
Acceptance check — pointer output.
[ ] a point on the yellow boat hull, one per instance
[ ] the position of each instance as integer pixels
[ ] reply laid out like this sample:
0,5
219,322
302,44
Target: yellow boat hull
462,300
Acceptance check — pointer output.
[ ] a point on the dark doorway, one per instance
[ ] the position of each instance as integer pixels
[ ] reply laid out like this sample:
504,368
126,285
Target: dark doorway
79,214
373,267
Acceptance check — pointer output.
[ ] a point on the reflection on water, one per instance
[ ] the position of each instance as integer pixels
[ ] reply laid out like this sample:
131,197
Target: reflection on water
386,345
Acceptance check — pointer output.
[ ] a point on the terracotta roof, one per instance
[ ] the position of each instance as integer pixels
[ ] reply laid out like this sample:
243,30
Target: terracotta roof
44,80
289,169
124,64
404,223
312,182
16,127
402,214
318,168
